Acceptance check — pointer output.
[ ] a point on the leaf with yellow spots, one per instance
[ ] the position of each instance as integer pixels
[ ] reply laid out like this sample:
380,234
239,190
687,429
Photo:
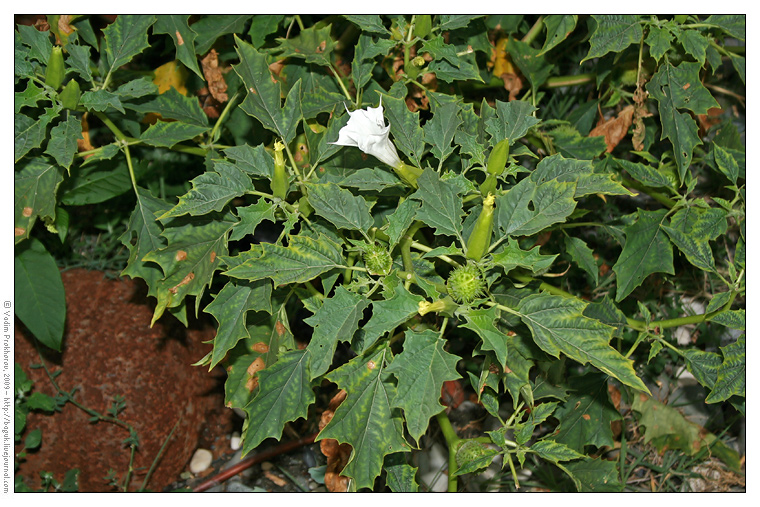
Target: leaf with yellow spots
183,36
187,261
312,44
421,369
284,395
230,308
366,420
34,190
586,416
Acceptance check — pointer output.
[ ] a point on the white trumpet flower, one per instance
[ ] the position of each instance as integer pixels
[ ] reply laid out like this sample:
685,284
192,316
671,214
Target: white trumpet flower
366,130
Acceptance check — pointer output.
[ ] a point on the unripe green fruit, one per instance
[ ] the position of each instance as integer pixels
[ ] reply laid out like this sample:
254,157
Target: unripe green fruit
466,283
470,450
279,184
54,73
377,260
70,95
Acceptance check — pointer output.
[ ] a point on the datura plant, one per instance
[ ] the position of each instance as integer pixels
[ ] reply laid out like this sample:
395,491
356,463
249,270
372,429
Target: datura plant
381,207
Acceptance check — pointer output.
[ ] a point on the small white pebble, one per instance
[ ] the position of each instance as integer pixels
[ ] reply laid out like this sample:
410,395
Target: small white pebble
683,335
437,482
201,460
235,441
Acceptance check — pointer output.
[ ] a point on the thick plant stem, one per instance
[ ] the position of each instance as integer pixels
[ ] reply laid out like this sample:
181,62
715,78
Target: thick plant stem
451,441
657,196
405,245
534,30
559,81
638,325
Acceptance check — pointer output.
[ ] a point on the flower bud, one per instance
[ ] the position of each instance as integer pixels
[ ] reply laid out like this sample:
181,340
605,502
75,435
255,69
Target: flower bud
55,72
280,182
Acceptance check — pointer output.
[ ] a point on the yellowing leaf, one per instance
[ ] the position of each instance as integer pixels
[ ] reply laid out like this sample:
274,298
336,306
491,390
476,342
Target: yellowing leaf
171,75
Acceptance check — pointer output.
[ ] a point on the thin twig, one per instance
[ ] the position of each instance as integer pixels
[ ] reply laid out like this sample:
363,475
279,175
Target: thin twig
257,458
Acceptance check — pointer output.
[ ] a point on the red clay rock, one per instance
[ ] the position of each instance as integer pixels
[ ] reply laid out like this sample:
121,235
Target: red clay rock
109,350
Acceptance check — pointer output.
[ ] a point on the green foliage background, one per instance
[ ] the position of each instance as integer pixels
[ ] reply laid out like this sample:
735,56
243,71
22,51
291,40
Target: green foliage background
595,244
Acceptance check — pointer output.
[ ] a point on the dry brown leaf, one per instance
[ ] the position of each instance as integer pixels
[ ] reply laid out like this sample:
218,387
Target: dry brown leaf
337,454
708,120
512,83
639,113
217,86
64,25
84,143
276,67
274,478
614,129
42,25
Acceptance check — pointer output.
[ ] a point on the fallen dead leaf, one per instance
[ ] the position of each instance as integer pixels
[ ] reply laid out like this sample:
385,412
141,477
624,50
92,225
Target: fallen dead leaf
217,86
512,83
274,478
337,454
614,129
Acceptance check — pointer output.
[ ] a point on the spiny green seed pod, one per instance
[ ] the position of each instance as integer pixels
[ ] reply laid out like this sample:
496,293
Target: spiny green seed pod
377,260
55,72
280,182
466,283
469,451
480,238
70,95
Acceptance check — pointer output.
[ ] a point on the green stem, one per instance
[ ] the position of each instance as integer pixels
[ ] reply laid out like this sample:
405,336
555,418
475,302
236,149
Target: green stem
534,31
158,456
126,140
578,79
657,196
111,126
222,116
405,245
503,308
425,248
638,325
130,168
293,163
451,442
340,82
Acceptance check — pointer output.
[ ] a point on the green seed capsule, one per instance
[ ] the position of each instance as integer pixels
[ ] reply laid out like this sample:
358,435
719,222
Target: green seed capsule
480,238
70,95
497,160
466,283
280,182
378,260
55,72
